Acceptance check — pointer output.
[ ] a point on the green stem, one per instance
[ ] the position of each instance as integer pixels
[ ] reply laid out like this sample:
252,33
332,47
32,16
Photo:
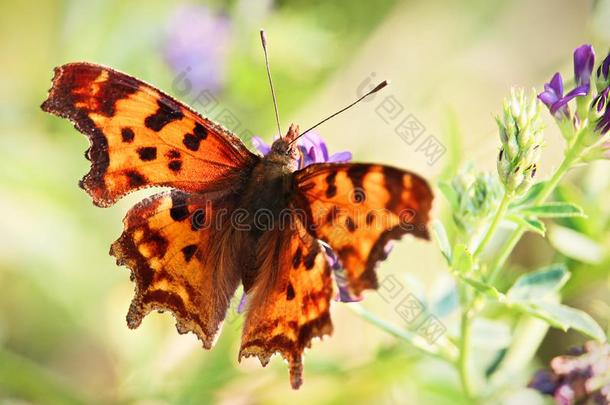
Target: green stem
447,353
551,184
494,224
466,322
464,357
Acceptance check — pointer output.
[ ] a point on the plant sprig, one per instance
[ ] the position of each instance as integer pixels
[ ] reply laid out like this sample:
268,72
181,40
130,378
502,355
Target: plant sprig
481,203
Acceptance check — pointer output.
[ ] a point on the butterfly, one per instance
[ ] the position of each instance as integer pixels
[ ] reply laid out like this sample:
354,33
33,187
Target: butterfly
231,216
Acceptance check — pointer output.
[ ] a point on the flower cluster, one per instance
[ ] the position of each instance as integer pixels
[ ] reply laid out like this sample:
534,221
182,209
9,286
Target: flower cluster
600,102
521,134
592,105
553,97
583,376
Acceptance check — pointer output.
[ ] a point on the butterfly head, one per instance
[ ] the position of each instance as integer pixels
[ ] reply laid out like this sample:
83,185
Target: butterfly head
284,147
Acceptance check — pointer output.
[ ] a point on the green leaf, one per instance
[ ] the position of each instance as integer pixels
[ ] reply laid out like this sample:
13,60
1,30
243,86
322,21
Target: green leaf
443,241
490,334
484,288
450,194
575,245
564,317
530,224
552,210
539,284
462,259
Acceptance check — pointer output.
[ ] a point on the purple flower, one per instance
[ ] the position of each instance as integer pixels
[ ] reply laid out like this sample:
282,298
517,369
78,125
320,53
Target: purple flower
312,149
599,102
340,276
603,123
197,45
577,377
584,58
241,307
603,73
259,144
553,97
544,382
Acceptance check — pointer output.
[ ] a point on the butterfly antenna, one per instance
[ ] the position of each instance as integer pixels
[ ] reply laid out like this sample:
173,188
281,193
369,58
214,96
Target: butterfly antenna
277,114
375,90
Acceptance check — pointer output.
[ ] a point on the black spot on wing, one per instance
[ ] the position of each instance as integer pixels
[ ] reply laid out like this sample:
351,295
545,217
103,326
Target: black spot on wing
200,131
179,210
167,111
331,187
147,153
193,141
188,252
393,183
356,174
173,154
310,259
135,178
156,242
296,260
175,165
127,135
290,292
350,224
332,214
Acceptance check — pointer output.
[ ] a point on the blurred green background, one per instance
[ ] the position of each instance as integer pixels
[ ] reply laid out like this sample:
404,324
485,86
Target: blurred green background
63,336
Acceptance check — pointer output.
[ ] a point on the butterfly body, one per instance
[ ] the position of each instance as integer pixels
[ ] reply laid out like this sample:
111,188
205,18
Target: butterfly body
269,187
230,216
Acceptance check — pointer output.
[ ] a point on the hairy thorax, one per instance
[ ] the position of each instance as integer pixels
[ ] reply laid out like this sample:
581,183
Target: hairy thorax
269,188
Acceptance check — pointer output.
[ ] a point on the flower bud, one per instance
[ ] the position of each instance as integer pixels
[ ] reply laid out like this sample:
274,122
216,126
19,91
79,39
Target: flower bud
477,196
521,135
602,74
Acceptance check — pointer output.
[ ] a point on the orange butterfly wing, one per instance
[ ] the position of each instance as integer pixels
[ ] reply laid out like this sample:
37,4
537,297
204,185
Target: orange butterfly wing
290,301
358,208
142,137
170,245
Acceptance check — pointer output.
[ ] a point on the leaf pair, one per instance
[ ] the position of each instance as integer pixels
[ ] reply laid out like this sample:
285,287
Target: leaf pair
529,216
535,294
